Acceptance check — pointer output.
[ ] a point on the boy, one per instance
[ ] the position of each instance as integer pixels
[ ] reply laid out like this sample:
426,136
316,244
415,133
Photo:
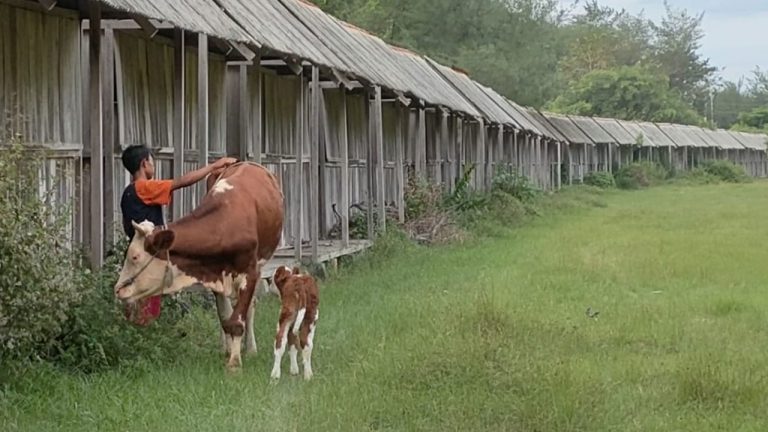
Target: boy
144,197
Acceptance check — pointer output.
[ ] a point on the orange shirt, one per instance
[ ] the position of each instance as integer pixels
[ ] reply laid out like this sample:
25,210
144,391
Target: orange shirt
154,192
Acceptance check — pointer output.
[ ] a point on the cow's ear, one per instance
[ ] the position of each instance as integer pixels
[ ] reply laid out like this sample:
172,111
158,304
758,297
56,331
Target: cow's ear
160,242
296,270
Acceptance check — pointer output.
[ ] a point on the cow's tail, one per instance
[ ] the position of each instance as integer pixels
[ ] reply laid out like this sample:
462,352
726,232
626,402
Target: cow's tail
299,320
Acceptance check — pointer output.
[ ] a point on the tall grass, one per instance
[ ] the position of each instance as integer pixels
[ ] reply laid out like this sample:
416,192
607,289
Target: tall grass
488,335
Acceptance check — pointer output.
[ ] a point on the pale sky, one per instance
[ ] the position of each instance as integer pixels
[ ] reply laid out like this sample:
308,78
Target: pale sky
736,31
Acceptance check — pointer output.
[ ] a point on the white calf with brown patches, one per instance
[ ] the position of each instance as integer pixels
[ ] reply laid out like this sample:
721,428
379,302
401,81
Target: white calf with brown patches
296,324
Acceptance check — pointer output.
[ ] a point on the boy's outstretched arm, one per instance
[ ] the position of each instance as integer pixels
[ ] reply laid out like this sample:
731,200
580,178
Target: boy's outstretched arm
195,176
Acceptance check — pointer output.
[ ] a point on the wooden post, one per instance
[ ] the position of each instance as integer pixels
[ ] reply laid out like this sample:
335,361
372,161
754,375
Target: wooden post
399,174
559,179
108,94
298,187
314,151
179,104
242,114
96,137
370,165
444,149
344,172
421,144
255,121
378,122
480,151
459,164
202,104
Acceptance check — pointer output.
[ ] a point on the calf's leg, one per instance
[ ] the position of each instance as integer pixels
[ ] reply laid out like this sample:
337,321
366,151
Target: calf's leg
293,343
235,325
281,339
307,335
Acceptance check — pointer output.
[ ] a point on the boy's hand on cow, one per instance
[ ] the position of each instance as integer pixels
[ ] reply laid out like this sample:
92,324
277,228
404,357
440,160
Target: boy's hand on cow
224,162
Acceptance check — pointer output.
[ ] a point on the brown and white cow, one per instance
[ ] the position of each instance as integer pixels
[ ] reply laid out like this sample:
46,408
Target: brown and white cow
221,246
296,324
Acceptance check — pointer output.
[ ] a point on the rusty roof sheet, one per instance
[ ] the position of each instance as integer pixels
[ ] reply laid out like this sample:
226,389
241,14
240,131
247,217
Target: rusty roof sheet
593,130
568,129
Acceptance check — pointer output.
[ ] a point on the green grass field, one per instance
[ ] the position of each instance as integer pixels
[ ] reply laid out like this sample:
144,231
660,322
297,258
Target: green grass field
491,335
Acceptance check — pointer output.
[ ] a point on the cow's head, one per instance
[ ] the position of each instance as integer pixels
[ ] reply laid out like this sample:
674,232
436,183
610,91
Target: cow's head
146,270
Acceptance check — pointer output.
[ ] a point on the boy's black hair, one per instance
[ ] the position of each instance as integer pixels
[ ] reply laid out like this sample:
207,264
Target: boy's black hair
133,156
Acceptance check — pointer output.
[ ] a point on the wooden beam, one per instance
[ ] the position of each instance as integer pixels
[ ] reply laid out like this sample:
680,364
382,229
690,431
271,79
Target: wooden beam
255,121
179,129
202,104
480,152
143,22
48,4
378,122
402,98
96,137
298,186
108,98
370,166
399,167
222,45
242,113
314,152
421,143
334,85
344,142
244,51
294,65
341,79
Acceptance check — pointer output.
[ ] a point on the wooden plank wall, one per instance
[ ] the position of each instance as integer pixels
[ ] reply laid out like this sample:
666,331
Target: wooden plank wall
41,99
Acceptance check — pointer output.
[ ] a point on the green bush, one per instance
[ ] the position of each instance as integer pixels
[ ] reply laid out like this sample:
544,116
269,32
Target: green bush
40,274
640,175
726,171
463,198
512,183
601,179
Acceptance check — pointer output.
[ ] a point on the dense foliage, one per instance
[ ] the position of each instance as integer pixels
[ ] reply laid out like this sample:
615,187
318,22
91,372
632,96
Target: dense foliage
584,58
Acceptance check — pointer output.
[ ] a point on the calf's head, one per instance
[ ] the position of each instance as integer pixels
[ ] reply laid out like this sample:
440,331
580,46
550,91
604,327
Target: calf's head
146,270
282,274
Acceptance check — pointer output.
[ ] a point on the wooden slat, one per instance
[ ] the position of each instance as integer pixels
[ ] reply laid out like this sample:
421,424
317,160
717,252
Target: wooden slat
344,141
314,151
179,105
202,104
256,120
399,167
243,142
95,107
298,180
378,129
108,118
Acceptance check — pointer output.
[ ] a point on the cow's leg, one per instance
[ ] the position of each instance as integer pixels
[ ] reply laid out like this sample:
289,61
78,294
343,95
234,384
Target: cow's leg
293,343
306,336
235,325
224,310
250,337
281,339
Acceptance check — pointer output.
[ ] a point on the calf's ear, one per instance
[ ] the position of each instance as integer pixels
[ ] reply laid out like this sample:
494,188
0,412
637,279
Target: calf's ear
160,242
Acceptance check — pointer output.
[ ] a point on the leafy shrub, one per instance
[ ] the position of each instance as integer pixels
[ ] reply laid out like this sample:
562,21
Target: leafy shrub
640,175
696,176
726,171
514,184
463,198
601,179
40,274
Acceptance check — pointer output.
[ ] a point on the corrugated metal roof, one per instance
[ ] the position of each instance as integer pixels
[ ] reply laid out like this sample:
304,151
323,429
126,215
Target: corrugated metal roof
276,27
522,118
655,134
568,129
542,123
593,130
680,136
436,89
704,137
751,140
517,122
636,131
616,130
723,139
338,39
202,16
466,86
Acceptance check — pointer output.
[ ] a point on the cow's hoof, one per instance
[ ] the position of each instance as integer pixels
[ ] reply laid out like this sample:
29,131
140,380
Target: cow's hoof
307,375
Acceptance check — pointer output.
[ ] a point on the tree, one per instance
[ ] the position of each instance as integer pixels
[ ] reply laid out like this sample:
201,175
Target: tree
677,43
627,92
